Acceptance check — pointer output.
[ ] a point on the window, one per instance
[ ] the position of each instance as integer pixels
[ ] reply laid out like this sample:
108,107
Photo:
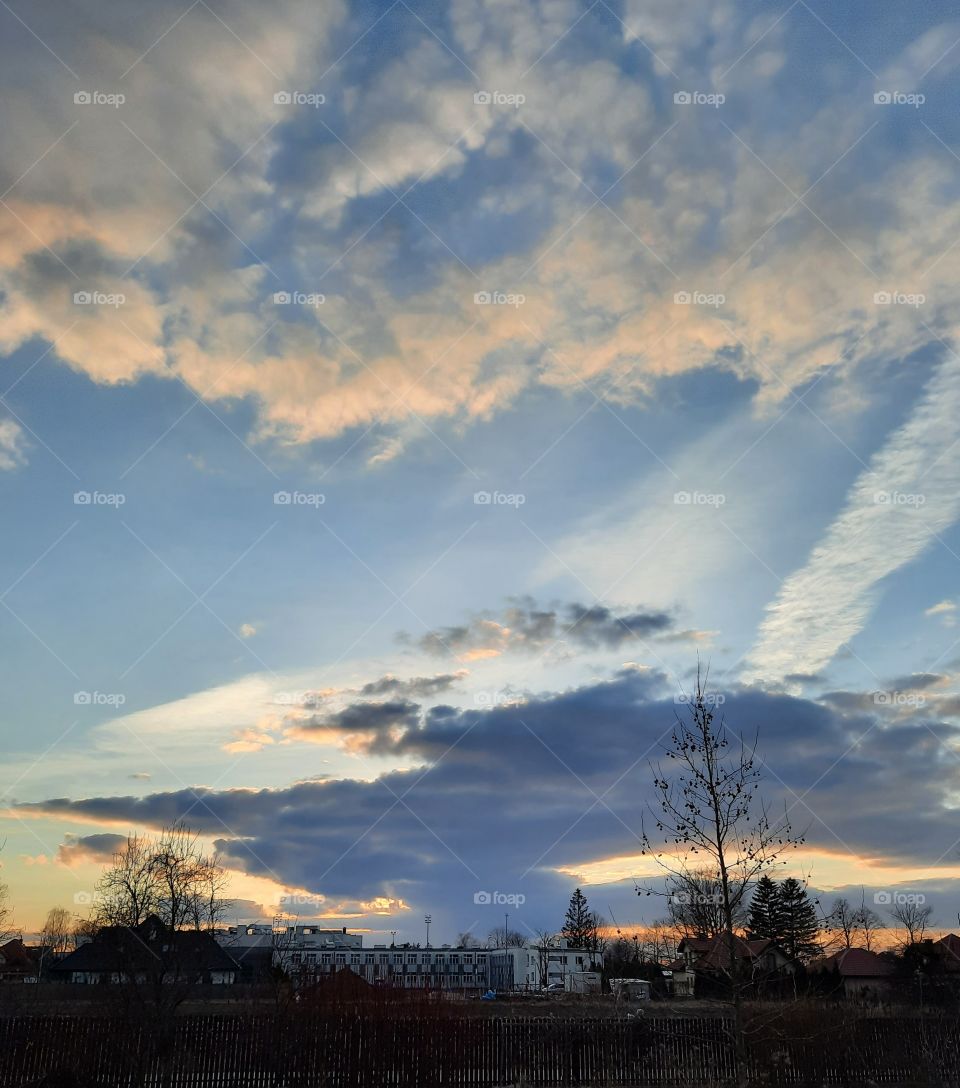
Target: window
411,957
425,958
384,958
295,958
340,958
354,957
311,957
454,958
325,957
368,958
468,957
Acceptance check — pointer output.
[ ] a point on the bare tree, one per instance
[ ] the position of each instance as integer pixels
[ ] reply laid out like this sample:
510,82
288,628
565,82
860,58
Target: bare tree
513,939
82,930
869,923
912,918
168,876
55,935
842,921
709,814
695,903
127,891
543,944
467,940
7,929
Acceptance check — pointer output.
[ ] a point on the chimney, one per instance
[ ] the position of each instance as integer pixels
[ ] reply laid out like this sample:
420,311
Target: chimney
344,930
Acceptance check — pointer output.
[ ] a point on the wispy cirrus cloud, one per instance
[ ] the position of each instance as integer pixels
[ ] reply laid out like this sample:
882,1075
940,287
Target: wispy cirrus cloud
909,493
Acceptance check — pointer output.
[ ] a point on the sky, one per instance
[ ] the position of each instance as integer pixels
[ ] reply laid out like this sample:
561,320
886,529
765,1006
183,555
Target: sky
399,400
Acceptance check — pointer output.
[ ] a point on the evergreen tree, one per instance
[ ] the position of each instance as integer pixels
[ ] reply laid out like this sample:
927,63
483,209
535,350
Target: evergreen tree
580,923
765,916
798,922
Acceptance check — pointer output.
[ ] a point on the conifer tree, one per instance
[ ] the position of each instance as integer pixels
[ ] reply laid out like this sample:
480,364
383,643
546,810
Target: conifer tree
581,925
797,920
764,919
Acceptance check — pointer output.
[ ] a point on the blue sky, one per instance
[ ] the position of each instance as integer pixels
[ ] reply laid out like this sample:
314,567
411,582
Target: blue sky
674,285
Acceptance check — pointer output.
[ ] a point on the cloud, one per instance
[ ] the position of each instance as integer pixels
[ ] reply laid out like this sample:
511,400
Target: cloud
904,498
415,687
402,197
78,849
12,445
946,610
525,628
361,727
507,797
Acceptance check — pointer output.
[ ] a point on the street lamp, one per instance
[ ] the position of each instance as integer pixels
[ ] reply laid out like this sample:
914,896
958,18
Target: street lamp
427,920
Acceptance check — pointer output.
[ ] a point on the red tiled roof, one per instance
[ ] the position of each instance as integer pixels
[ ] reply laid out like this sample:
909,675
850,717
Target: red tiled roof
854,963
714,952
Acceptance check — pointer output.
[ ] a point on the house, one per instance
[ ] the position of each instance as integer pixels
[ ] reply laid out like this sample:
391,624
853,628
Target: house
18,963
151,951
854,972
948,949
760,961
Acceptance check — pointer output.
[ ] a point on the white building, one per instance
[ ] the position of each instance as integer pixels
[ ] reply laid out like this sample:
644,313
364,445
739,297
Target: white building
550,965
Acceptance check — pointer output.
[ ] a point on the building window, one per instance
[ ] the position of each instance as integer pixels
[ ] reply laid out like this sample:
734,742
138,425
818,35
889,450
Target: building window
340,958
355,957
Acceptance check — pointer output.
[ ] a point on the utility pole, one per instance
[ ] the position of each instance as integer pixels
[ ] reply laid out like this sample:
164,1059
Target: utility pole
506,928
427,920
393,938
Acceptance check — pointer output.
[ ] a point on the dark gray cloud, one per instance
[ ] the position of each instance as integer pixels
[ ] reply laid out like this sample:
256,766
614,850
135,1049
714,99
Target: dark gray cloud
417,687
504,795
372,726
100,847
524,627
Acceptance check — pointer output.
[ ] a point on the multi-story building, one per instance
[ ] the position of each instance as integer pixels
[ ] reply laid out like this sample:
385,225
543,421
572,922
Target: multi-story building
404,966
307,953
553,964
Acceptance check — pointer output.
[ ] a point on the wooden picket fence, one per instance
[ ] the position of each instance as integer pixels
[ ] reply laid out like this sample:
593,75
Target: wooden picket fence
356,1051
